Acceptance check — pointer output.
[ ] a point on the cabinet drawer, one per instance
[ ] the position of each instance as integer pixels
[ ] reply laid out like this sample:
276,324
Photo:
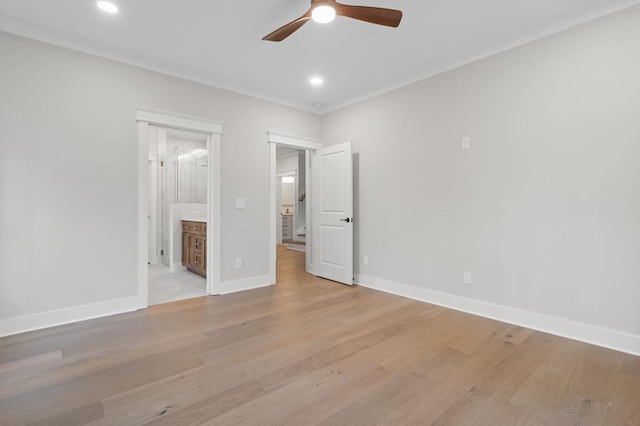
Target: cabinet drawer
188,227
199,228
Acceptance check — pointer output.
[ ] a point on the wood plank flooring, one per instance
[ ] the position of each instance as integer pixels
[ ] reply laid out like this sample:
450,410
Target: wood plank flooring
309,351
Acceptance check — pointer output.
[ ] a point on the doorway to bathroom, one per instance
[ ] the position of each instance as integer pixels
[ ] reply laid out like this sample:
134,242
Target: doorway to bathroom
179,168
178,188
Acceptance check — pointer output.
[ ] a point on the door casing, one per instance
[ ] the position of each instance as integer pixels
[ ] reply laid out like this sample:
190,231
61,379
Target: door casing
309,146
213,129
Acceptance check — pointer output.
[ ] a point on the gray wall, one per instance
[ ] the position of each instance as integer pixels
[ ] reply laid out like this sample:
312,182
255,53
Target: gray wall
544,210
68,173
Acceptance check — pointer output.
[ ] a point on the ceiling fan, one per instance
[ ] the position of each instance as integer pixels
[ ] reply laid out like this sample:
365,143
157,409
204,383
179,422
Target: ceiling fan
324,11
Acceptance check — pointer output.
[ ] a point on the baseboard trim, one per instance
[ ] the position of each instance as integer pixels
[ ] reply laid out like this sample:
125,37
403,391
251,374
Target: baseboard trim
23,324
611,339
234,286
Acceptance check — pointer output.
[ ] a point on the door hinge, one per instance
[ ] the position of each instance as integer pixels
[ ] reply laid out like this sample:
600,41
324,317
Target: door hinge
161,252
161,163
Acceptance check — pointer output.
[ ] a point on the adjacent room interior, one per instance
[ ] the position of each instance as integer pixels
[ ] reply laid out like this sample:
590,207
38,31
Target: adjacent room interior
291,199
388,212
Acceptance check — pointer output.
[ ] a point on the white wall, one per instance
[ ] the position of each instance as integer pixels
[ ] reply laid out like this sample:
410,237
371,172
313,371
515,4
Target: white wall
544,210
68,175
287,163
192,172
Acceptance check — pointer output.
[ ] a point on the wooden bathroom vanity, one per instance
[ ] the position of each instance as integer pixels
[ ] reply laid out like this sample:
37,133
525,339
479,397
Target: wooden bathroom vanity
194,247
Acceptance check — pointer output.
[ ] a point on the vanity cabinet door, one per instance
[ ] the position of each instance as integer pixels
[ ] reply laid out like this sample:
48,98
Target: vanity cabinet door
188,250
194,247
200,248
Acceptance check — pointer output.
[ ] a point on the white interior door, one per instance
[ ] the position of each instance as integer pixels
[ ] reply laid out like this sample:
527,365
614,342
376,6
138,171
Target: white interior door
333,213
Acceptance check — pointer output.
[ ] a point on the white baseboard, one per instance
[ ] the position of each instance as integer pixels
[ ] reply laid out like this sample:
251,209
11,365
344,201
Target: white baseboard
612,339
22,324
245,284
296,247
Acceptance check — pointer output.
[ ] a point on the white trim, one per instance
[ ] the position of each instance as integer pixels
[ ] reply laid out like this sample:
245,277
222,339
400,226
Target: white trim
243,284
293,173
213,130
272,212
309,145
612,339
143,213
296,247
293,141
23,324
308,160
177,120
214,227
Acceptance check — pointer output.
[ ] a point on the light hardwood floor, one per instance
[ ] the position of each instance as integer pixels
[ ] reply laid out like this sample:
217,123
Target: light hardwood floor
310,351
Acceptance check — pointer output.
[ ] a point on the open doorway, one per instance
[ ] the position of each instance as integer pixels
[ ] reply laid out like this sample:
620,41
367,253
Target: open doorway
291,227
329,212
291,197
209,234
178,188
291,202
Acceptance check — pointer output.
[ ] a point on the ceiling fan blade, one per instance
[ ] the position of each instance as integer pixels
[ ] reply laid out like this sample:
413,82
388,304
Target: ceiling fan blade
288,29
374,15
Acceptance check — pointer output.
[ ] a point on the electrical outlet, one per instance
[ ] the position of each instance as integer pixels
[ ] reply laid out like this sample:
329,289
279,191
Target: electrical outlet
241,203
466,143
238,263
365,260
467,277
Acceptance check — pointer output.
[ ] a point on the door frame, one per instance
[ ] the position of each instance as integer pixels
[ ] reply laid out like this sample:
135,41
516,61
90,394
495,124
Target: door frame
309,145
213,129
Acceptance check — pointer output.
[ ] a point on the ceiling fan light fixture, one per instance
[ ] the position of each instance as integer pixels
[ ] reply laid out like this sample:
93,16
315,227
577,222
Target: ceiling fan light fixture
323,14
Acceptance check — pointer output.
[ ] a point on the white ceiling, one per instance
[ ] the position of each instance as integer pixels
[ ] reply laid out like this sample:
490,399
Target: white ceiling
218,42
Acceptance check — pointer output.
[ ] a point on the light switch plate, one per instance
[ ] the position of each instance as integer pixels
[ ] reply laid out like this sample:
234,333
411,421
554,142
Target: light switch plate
466,143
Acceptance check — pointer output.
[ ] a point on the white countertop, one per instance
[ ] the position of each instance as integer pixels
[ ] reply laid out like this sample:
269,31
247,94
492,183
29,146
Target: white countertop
194,218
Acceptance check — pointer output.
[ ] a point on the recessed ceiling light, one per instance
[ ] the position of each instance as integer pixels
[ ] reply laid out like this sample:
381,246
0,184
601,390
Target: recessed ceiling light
316,81
323,14
107,6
